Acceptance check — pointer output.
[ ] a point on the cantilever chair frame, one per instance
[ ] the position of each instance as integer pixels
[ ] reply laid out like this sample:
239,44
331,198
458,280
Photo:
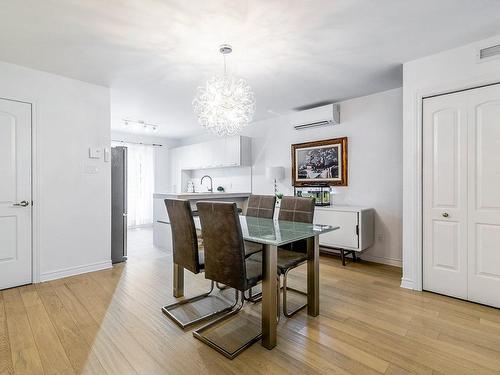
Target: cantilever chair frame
167,309
198,333
258,297
287,288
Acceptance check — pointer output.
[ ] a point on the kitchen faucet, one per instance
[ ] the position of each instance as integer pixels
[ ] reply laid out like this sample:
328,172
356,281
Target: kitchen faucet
211,189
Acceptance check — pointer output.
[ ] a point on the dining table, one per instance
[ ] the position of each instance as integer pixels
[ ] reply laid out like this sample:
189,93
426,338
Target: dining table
273,233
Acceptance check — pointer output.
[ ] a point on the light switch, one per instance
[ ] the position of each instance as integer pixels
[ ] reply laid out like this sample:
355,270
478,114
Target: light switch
94,153
107,154
90,169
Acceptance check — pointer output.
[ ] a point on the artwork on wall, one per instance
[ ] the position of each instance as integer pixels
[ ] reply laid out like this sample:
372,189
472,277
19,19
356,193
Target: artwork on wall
320,163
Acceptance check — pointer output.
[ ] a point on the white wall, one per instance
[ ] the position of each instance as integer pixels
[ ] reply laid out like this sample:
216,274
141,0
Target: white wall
72,209
447,71
373,125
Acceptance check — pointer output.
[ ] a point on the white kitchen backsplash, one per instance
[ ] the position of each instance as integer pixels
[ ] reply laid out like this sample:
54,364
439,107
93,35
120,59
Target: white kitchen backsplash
237,179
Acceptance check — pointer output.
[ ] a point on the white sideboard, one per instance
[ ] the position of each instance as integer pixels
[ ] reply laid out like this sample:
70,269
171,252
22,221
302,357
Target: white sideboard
356,232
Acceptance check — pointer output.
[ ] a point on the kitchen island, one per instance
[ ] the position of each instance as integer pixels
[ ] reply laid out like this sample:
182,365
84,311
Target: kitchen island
162,236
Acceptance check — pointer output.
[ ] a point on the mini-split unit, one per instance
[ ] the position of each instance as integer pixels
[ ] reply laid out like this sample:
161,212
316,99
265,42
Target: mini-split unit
319,116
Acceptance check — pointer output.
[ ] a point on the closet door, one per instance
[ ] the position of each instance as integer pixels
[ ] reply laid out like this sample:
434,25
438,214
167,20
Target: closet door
484,195
445,194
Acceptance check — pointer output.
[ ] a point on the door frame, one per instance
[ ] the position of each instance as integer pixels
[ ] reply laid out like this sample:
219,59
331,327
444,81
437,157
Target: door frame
35,218
414,218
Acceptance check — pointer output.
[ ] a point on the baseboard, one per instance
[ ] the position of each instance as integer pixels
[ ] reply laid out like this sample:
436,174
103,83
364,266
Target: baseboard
72,271
407,284
363,256
382,260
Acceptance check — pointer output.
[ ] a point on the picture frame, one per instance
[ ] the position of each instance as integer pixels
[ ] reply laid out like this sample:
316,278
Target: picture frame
320,163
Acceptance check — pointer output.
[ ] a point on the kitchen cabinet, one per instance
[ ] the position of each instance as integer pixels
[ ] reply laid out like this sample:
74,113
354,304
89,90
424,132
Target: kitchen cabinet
356,232
234,151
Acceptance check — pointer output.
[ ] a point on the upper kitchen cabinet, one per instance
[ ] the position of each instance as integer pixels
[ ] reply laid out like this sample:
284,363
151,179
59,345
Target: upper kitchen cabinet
232,151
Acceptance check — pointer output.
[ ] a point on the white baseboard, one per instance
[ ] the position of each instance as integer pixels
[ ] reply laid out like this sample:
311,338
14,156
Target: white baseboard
407,284
382,260
72,271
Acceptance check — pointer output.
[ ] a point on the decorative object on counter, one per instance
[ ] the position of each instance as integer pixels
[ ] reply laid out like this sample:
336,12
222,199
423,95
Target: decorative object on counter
190,187
225,104
220,189
276,174
320,163
321,194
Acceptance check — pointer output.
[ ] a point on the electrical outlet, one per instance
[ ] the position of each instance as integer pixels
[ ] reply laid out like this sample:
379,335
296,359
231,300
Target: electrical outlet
380,237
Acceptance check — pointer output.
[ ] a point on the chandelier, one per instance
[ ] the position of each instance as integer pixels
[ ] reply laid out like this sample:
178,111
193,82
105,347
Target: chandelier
225,104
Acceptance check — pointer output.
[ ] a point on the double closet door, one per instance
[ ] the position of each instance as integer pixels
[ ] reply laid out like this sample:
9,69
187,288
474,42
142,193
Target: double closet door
461,195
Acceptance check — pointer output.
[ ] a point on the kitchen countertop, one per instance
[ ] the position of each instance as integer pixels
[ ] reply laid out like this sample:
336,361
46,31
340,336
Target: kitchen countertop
198,196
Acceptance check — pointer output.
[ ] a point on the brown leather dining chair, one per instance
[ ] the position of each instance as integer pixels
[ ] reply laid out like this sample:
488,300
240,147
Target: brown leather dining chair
187,253
225,262
296,209
261,206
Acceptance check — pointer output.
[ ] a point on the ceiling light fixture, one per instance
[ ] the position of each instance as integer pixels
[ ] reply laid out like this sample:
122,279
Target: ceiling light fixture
225,104
140,125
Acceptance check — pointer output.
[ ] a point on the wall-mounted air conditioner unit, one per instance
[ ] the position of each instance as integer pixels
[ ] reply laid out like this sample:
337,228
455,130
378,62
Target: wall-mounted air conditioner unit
319,116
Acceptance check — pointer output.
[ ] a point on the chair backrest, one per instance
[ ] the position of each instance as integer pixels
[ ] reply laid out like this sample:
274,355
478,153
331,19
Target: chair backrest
223,244
297,209
184,238
261,206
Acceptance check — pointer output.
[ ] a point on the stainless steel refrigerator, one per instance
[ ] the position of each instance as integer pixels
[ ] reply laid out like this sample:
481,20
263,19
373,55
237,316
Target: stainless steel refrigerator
118,204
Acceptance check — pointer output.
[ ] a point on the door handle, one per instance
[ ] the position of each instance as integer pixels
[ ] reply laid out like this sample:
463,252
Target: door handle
445,214
22,204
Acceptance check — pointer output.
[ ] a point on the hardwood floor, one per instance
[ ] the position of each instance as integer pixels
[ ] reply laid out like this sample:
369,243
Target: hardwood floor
109,322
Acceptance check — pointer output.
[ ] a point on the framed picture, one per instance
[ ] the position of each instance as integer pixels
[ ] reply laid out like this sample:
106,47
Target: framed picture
320,163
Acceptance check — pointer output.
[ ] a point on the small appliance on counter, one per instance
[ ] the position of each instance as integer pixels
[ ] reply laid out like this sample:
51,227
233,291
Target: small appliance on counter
321,194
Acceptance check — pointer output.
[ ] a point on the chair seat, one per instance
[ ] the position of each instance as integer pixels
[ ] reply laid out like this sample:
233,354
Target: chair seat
286,259
252,248
253,268
254,272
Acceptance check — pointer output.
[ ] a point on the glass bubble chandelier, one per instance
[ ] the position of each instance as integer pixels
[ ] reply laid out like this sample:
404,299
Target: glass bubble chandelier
225,104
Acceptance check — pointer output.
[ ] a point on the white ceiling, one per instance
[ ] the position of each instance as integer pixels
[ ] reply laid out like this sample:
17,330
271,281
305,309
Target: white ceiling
154,53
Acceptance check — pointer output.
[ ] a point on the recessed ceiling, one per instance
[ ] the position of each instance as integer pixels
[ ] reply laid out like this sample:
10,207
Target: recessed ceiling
153,54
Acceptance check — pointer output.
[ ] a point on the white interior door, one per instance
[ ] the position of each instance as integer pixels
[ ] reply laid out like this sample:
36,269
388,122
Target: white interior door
15,193
484,195
445,195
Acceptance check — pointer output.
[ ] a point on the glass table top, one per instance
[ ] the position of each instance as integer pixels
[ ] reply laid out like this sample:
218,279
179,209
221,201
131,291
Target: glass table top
276,232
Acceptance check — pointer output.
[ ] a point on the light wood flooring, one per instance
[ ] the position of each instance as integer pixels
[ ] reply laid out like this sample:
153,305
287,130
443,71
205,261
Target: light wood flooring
109,322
